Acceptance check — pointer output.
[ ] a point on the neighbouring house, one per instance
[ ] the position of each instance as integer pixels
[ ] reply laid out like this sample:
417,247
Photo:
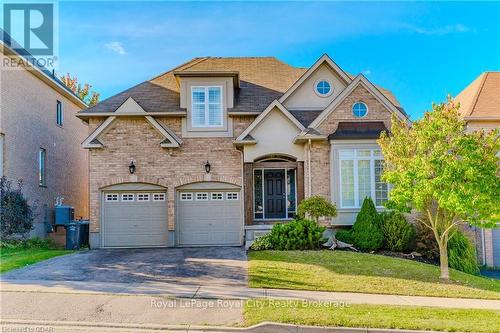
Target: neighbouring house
40,138
217,150
480,108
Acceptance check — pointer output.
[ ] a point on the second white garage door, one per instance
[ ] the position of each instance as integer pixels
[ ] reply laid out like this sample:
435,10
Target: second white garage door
209,218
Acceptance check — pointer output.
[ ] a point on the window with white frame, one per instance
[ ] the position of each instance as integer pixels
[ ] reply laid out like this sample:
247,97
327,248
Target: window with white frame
217,196
128,197
361,176
201,196
111,197
142,196
206,104
158,196
186,196
232,196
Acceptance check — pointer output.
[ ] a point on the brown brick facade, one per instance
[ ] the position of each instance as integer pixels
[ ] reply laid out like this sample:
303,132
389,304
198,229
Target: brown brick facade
133,138
320,150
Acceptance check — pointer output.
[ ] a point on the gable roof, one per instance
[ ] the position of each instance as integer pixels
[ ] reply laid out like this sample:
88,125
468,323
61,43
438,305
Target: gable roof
129,107
481,98
359,80
324,59
261,79
274,105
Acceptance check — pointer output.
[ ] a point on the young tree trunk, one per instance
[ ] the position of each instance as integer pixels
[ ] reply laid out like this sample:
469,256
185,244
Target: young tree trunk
443,260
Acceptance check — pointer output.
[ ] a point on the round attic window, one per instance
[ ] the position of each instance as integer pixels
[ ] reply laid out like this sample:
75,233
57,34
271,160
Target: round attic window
323,88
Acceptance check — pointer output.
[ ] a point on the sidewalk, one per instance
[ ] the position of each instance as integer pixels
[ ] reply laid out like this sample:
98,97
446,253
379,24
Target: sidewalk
234,293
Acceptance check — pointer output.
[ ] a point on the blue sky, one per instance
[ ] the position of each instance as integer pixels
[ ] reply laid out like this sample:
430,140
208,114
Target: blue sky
420,51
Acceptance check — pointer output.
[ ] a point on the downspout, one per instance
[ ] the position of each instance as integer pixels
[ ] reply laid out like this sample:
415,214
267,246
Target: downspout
243,193
309,185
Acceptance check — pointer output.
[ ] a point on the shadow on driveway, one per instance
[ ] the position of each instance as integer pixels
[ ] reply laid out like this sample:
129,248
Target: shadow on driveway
191,266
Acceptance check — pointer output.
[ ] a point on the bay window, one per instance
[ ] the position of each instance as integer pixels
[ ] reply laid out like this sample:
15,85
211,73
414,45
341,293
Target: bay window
206,106
360,177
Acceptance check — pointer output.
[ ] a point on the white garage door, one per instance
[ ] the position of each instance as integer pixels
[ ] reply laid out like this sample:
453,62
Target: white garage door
209,218
134,218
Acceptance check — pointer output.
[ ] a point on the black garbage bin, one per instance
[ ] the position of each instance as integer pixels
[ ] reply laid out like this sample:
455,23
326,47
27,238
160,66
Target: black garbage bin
84,233
73,239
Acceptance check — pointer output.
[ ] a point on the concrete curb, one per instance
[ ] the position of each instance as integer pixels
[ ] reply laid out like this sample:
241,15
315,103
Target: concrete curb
265,327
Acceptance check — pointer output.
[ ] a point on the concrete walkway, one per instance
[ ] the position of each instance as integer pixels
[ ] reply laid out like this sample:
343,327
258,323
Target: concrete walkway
232,293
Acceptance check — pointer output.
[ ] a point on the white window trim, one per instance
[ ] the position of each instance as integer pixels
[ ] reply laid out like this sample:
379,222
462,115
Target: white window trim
124,194
114,195
187,194
352,109
207,125
201,193
357,158
42,167
217,194
236,194
163,196
146,195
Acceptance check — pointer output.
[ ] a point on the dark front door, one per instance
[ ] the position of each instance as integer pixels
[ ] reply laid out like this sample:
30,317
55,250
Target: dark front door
274,194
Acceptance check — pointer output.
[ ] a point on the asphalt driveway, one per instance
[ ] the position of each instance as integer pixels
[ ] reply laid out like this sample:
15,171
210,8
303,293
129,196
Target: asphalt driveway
192,266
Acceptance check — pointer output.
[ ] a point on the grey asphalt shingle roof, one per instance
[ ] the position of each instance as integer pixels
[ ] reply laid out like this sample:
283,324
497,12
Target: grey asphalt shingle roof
262,80
305,117
358,130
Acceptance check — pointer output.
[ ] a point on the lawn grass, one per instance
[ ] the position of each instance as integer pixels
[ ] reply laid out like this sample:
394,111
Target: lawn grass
372,316
361,272
12,258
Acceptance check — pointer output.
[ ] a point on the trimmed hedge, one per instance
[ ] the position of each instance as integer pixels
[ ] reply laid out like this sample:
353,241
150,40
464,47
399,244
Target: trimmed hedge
462,254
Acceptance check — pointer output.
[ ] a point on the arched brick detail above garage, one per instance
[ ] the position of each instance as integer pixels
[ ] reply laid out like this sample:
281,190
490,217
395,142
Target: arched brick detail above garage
133,179
207,178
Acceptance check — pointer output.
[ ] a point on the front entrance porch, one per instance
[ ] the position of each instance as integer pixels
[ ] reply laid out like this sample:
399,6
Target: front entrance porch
274,186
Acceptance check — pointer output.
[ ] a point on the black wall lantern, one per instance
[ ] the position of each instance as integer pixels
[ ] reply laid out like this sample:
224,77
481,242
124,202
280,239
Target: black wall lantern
207,167
131,167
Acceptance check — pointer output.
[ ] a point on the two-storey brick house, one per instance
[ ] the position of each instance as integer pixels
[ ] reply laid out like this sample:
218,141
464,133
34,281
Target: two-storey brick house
216,150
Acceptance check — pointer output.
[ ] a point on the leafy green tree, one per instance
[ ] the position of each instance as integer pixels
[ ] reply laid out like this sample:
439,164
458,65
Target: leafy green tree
316,207
89,97
16,215
444,171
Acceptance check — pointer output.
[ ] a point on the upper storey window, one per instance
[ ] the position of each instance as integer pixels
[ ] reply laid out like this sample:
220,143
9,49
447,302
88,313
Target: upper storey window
359,109
323,88
206,106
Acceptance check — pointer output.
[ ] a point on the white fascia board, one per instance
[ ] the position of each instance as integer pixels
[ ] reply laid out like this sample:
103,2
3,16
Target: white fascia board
264,114
98,131
324,58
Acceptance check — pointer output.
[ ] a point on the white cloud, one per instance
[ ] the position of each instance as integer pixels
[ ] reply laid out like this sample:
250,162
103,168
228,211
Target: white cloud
116,47
444,30
366,72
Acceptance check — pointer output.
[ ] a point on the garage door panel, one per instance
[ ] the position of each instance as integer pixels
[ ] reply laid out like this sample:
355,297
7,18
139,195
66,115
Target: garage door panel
496,246
209,222
134,223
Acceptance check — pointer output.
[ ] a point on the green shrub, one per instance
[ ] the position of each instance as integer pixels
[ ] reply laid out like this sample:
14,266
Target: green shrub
344,236
16,215
315,207
366,231
296,235
462,254
399,235
262,243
